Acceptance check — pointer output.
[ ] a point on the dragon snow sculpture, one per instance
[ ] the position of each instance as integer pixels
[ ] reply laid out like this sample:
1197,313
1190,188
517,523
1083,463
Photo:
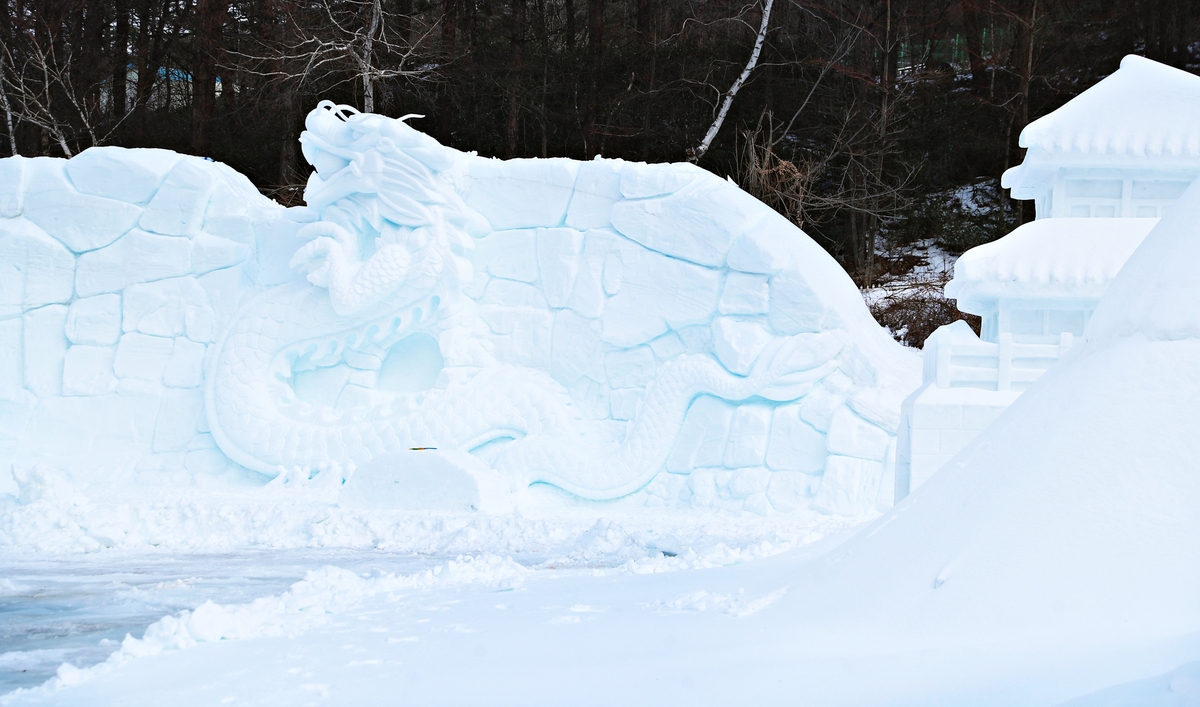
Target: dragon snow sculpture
588,325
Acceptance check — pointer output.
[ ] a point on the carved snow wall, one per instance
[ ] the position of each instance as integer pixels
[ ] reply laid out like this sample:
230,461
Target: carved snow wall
692,344
114,283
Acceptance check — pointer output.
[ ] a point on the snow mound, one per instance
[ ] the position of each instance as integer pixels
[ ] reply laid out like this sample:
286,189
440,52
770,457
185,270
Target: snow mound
1067,523
316,600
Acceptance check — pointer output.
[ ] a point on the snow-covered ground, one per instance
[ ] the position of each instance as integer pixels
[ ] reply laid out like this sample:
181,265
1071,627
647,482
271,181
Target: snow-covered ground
933,266
346,625
1051,562
910,300
79,573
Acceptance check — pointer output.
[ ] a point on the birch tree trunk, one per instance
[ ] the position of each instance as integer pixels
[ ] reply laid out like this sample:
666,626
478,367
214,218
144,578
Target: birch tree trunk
715,128
367,60
120,62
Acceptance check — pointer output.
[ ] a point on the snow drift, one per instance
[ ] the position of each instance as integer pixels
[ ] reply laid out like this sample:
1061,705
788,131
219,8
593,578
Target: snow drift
1056,553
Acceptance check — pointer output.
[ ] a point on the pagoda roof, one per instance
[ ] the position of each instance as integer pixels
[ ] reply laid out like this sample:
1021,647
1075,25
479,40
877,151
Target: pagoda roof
1145,114
1051,258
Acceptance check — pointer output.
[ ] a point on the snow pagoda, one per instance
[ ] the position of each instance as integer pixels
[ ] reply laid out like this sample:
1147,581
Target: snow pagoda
1100,170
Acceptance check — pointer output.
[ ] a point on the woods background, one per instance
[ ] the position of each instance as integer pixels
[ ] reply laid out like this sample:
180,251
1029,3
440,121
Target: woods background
869,123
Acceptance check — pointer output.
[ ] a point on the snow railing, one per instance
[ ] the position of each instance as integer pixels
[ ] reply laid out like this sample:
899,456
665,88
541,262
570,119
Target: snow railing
958,359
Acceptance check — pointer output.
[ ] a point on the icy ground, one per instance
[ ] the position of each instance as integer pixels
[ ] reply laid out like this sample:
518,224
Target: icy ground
129,562
386,605
78,609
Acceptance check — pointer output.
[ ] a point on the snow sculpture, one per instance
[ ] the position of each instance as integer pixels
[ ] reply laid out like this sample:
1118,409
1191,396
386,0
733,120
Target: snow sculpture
603,327
1125,148
1101,170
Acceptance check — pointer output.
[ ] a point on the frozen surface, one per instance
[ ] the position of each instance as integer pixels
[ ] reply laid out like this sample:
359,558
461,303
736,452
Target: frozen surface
555,319
77,609
1050,560
80,572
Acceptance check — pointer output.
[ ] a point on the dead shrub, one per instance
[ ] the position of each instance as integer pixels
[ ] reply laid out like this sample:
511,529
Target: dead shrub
913,311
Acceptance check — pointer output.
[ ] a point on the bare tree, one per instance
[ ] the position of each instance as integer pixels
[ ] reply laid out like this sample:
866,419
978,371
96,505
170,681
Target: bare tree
330,41
595,47
211,16
512,119
39,85
8,112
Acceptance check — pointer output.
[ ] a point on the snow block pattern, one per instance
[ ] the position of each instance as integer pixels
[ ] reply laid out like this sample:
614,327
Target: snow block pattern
606,327
105,319
587,325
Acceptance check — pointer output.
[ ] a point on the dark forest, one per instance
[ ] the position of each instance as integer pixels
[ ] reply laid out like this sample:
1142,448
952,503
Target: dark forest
866,122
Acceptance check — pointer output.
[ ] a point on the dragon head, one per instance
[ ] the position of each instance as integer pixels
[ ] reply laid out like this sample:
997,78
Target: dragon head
385,195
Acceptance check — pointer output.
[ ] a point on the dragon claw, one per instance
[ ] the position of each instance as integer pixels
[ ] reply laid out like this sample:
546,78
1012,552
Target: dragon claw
313,249
318,273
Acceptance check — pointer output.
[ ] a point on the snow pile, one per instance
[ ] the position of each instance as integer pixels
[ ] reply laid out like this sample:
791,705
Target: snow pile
316,600
57,517
738,605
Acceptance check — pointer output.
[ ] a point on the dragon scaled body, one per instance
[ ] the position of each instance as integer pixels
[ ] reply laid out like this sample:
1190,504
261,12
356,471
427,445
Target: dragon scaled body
563,357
